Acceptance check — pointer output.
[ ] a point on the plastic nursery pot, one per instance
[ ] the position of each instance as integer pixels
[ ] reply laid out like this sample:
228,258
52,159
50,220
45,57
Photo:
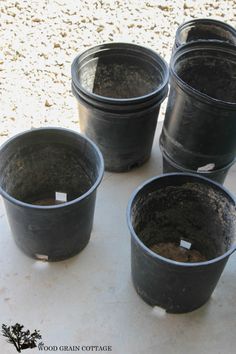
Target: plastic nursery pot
209,171
48,182
204,29
200,126
119,88
183,230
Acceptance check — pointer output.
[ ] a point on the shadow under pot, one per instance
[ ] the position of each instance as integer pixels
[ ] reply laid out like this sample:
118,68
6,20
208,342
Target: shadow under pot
207,171
200,126
119,88
183,230
48,182
204,29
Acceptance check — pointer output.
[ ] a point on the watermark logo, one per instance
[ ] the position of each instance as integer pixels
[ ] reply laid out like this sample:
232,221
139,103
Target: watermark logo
20,338
75,348
24,339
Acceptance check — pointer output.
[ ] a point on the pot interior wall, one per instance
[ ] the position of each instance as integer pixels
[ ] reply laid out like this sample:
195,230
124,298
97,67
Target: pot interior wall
191,212
120,76
212,73
205,31
32,171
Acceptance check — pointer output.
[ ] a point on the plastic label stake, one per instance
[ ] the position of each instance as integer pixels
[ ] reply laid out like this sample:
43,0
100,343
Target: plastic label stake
61,197
185,244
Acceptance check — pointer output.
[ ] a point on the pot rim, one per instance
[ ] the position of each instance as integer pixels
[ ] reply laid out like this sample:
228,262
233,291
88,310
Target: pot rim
187,170
211,45
131,47
203,20
156,256
66,204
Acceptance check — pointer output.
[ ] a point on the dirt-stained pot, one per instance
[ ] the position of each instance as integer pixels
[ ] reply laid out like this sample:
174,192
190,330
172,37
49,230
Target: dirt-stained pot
204,29
207,171
48,182
200,126
183,230
119,88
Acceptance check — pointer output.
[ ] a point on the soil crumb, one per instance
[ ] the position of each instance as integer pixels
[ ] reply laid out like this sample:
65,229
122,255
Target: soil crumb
177,253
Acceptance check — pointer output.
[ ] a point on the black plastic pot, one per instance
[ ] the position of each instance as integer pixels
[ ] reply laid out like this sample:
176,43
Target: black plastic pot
119,88
174,209
34,166
200,125
216,175
204,29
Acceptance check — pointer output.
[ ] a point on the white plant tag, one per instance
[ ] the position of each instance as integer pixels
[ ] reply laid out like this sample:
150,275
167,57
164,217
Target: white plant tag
185,244
208,167
41,257
159,311
61,197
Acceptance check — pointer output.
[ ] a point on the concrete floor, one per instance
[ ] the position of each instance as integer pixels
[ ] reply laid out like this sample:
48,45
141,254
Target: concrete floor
89,299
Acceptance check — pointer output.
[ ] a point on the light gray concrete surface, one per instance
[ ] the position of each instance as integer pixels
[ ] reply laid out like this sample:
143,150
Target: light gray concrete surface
89,299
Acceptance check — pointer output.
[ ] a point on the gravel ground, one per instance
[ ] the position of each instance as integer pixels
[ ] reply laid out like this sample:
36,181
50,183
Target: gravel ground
39,40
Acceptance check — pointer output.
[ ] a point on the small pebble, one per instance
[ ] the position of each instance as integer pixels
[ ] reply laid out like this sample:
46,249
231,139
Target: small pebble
47,104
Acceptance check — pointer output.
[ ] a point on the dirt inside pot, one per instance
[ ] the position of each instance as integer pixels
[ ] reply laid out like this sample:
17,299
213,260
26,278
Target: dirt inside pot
47,201
193,212
120,76
177,253
34,174
213,74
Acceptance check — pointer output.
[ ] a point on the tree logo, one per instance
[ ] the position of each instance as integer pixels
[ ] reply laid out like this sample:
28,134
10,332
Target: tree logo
19,338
